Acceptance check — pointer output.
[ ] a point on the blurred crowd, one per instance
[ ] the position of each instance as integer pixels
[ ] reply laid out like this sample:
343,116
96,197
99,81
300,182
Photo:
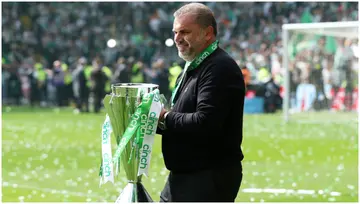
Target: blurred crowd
57,54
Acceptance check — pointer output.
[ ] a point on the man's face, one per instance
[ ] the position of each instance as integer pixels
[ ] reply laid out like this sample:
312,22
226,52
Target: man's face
189,37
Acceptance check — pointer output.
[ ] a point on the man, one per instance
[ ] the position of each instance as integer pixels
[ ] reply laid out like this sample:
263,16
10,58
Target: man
202,133
41,77
59,82
121,74
79,82
99,78
246,74
160,76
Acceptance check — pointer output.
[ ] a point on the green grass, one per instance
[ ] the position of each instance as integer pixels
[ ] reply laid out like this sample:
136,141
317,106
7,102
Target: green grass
54,156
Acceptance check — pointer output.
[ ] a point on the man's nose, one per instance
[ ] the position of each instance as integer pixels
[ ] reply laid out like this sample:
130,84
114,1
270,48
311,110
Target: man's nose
178,38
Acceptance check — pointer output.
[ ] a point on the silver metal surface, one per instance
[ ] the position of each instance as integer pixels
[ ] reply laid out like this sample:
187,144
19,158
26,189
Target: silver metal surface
132,89
128,195
134,193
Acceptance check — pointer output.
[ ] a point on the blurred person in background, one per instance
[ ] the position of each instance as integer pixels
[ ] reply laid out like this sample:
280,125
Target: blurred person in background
272,98
4,80
99,79
23,71
355,64
41,76
174,72
137,72
84,86
343,75
14,91
68,80
50,88
246,74
349,74
316,78
121,72
34,87
294,75
108,73
79,83
159,75
327,80
207,105
58,80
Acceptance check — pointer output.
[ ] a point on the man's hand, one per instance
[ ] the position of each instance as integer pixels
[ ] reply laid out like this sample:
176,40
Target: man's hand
162,113
161,122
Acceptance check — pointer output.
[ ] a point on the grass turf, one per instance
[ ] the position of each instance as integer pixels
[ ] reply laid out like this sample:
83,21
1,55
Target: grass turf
54,156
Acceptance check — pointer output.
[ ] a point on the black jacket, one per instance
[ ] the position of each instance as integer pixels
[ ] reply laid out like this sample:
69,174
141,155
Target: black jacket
204,128
99,78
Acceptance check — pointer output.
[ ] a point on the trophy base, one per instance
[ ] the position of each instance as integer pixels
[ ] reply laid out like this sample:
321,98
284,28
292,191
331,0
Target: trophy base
134,193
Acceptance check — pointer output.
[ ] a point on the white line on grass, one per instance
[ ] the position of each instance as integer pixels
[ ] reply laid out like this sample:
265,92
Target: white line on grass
287,191
50,190
342,122
246,190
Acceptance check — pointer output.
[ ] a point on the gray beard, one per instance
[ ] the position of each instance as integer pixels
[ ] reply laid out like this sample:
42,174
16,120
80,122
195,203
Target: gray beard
186,58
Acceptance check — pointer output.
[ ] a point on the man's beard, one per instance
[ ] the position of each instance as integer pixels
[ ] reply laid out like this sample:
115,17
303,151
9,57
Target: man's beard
186,57
190,54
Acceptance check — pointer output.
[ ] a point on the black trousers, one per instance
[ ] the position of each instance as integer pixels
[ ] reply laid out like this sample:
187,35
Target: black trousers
214,185
61,95
83,100
98,97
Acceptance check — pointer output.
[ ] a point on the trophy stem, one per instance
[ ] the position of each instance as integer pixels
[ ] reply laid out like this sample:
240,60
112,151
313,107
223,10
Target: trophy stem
133,193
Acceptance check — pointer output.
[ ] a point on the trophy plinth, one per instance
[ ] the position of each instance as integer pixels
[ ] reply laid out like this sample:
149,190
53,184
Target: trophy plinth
134,193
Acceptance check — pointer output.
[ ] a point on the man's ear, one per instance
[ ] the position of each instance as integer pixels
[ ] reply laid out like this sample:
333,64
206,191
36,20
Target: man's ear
209,32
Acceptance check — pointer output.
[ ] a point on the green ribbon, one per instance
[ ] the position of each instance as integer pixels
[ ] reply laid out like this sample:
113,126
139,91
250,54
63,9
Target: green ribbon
134,125
193,65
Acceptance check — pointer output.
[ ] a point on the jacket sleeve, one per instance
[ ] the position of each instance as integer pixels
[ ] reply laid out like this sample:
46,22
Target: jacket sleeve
159,131
213,103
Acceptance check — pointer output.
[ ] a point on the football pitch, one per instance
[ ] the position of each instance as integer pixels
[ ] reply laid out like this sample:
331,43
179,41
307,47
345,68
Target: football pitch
54,156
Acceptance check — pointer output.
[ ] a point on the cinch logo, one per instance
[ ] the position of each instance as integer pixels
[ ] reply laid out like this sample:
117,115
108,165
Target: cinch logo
143,125
106,164
202,57
145,152
214,46
105,134
151,123
135,117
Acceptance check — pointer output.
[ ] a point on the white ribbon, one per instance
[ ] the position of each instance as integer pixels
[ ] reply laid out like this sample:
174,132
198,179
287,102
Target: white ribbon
151,125
107,165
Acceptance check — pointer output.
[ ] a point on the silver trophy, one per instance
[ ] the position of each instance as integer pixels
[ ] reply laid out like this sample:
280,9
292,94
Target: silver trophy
133,110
